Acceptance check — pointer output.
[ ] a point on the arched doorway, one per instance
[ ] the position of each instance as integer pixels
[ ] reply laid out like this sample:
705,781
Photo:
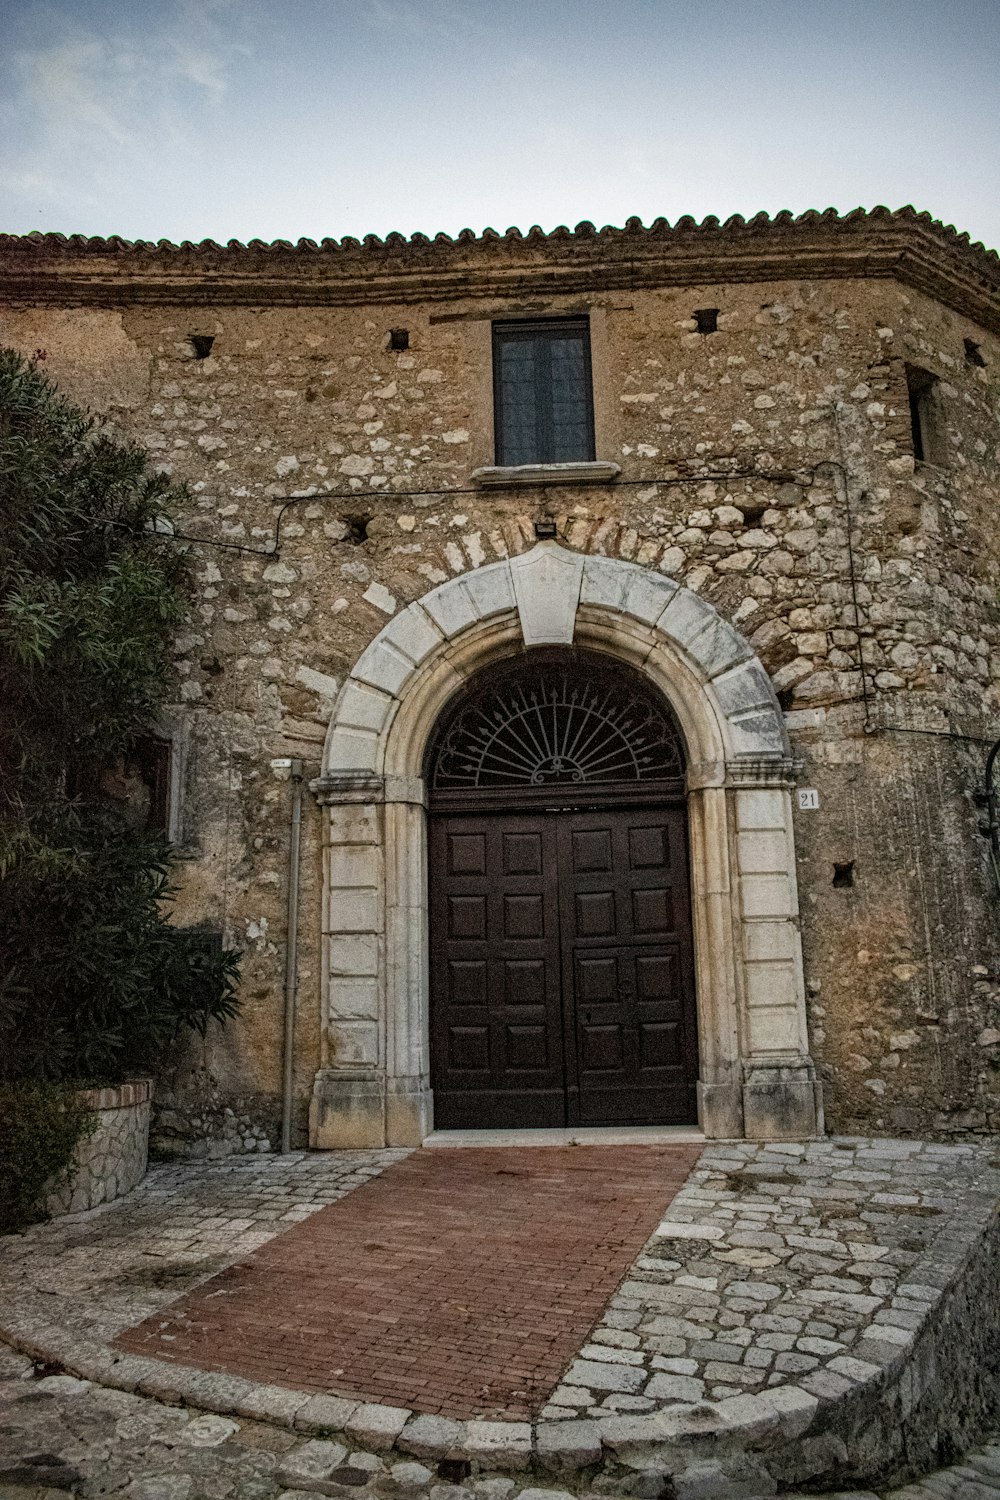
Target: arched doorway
373,1085
561,954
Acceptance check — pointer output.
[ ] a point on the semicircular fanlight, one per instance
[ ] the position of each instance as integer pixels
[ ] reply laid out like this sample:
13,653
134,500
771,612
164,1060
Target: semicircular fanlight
576,720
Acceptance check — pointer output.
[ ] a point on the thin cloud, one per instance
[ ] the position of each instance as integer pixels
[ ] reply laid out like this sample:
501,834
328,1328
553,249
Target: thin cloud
89,106
70,81
197,38
443,20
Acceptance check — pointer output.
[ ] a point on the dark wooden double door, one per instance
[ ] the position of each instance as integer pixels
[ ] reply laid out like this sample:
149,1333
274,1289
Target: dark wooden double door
561,969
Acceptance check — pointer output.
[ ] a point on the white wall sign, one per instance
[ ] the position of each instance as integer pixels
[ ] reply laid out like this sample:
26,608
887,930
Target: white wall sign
808,799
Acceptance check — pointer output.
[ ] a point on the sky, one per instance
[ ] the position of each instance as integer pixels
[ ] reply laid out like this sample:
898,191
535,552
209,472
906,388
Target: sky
235,119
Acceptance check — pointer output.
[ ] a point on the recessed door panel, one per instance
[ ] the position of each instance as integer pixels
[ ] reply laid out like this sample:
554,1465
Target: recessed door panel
524,981
657,979
523,917
469,1048
601,1048
649,848
467,854
595,913
522,853
467,982
527,1048
467,917
592,851
596,979
660,1045
652,911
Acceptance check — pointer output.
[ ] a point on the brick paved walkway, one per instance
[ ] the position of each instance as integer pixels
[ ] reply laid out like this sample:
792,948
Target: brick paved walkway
461,1283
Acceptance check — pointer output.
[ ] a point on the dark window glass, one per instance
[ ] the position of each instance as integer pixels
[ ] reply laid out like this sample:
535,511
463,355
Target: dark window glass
153,760
138,781
921,389
542,393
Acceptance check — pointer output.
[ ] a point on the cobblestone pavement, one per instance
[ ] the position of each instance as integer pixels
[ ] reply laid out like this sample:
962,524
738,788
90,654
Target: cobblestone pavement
780,1266
458,1283
785,1281
59,1435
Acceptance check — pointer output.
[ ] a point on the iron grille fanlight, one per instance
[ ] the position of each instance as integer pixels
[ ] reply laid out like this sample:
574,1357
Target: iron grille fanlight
570,721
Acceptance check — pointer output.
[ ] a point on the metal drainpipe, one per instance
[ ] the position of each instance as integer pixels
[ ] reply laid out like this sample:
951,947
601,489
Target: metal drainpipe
291,952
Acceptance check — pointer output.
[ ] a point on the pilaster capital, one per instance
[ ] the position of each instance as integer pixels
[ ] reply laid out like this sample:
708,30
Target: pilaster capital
763,771
334,788
337,788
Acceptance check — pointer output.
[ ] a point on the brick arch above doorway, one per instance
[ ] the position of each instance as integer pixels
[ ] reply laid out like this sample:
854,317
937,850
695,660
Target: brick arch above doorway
756,1077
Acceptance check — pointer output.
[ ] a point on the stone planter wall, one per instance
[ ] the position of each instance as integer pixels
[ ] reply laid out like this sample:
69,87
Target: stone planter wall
112,1160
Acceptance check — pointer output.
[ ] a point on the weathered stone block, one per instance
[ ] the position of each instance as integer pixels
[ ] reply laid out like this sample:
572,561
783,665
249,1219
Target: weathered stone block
568,1445
505,1444
376,1426
434,1437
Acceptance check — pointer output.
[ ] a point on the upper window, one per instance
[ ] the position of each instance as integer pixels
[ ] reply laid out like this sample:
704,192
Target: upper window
921,387
542,397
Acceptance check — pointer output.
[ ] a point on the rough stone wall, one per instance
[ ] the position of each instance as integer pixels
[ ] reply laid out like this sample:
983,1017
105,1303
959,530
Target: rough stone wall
112,1159
768,466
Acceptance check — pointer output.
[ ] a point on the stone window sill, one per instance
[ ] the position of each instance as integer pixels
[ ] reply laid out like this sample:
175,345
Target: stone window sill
508,476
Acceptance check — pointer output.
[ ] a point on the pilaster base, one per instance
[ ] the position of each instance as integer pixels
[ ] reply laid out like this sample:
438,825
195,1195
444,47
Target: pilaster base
720,1110
409,1112
347,1112
782,1101
362,1112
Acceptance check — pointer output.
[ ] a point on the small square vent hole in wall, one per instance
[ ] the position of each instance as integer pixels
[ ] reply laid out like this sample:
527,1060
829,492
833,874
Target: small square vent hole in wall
843,876
707,319
753,511
202,343
357,528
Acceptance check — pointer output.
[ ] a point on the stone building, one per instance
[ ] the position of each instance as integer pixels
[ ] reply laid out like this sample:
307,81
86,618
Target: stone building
625,605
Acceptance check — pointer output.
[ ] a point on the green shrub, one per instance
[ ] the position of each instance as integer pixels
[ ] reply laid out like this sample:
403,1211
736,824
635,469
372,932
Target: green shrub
40,1126
94,980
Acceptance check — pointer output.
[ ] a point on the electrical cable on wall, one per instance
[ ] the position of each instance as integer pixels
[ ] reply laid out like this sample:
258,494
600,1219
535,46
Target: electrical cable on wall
769,476
772,476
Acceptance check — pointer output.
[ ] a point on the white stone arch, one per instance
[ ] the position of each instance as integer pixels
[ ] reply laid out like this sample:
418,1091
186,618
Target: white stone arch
756,1077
